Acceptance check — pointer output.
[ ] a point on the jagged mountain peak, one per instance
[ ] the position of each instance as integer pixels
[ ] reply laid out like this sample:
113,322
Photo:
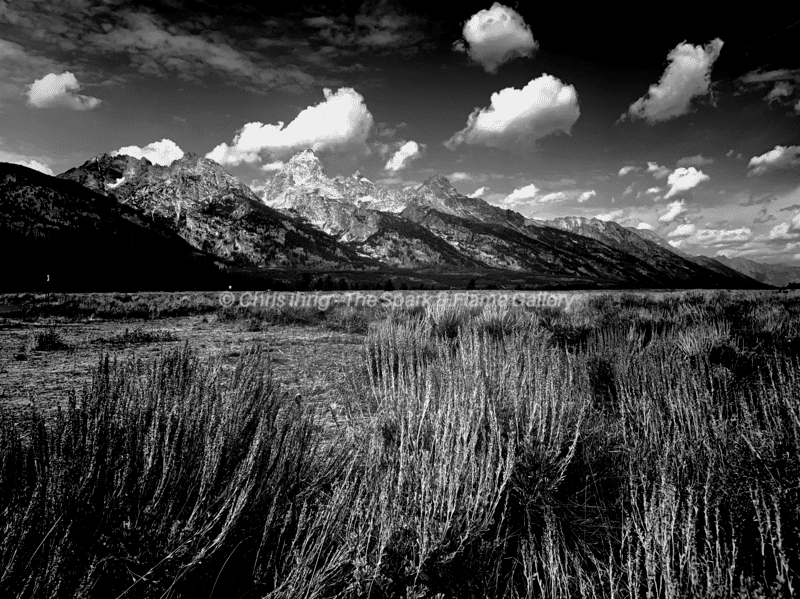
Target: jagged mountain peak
439,183
306,155
303,168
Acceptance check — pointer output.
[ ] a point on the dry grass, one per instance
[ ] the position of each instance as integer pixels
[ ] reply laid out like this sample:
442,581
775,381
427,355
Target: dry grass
633,446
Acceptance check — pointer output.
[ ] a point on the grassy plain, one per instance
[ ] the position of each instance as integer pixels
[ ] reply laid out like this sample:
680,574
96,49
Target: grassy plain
629,445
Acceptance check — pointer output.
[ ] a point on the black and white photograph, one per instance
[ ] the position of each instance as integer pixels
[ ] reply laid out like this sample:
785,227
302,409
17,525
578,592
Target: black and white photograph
399,300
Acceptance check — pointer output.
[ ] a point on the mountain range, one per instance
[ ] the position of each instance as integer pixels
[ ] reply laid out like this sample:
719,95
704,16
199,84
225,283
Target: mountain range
127,217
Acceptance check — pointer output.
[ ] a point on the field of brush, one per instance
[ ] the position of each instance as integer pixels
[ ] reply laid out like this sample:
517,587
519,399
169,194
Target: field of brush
628,445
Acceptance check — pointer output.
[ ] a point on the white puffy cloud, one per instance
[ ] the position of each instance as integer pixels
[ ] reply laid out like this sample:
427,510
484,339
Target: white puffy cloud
479,192
653,190
340,123
627,169
401,159
613,215
163,152
518,117
522,195
684,179
32,164
684,230
271,167
531,194
59,91
714,237
37,163
644,225
688,75
674,210
659,172
698,160
496,35
780,157
460,176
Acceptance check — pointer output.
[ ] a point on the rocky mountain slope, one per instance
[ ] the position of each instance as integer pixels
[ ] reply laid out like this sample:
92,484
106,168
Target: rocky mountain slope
778,275
59,230
309,221
214,212
651,248
478,234
357,212
705,261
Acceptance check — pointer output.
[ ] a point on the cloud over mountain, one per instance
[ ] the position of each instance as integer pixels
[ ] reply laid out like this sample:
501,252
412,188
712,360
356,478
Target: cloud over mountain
163,152
518,117
687,76
494,36
340,123
59,91
684,179
409,151
532,195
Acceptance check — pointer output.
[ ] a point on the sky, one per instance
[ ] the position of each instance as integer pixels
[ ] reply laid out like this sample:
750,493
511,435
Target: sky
683,120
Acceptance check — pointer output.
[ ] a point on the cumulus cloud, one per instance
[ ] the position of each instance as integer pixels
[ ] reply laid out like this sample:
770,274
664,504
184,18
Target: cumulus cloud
627,169
518,117
461,176
402,158
271,167
340,123
716,237
674,210
37,163
479,192
494,36
688,75
653,190
531,194
613,215
644,225
522,195
59,91
684,179
32,164
698,160
684,230
780,157
163,152
659,172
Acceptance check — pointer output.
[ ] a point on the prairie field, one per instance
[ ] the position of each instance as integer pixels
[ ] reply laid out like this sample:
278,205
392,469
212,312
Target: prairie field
609,445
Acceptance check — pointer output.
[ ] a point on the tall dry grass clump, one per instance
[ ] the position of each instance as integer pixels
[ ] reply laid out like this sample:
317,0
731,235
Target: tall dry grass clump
164,477
632,447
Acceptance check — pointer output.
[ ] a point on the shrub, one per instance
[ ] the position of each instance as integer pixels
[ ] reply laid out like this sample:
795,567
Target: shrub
50,339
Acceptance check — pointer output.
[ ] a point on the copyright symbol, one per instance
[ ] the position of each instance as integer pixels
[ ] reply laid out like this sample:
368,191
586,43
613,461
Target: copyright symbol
226,299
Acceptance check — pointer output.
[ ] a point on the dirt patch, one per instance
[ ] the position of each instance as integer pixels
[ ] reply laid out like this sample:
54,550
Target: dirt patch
311,363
